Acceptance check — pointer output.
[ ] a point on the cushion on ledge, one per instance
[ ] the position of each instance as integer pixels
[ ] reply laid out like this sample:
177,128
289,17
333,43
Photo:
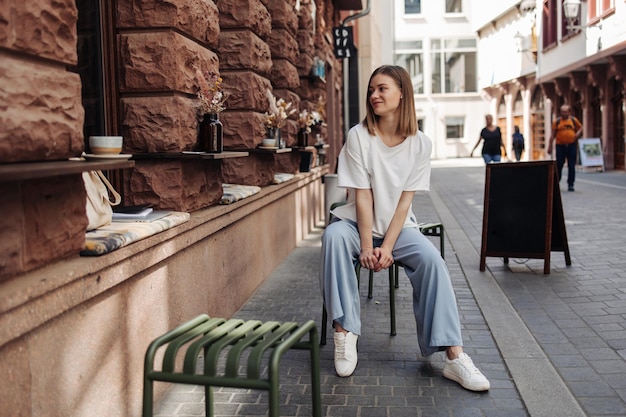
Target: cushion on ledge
235,192
117,234
282,177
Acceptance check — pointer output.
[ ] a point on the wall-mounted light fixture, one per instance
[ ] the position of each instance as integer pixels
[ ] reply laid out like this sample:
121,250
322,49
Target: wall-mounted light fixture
523,47
571,10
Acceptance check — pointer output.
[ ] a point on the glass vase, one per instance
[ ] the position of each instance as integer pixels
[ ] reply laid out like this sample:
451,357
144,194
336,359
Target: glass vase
274,133
303,138
211,136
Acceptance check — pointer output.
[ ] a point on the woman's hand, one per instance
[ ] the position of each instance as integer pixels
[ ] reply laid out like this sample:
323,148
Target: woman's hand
376,259
368,258
385,258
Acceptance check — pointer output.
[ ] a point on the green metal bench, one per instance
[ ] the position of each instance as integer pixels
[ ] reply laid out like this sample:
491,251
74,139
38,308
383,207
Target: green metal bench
221,345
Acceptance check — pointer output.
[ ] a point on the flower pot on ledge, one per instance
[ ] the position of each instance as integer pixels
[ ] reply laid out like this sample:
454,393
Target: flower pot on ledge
211,134
303,137
275,133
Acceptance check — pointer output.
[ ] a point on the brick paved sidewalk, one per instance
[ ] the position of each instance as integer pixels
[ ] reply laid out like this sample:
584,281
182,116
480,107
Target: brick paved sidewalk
550,344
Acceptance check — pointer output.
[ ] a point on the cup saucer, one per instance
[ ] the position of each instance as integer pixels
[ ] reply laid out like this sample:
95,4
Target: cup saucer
105,156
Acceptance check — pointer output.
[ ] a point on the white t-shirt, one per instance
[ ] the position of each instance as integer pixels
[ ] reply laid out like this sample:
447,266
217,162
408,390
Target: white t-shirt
365,162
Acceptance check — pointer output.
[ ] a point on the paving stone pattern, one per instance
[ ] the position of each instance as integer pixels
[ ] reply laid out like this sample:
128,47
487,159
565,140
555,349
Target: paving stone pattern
576,314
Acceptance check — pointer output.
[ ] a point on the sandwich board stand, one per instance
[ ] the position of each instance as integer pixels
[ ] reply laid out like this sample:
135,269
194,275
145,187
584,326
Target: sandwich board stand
523,213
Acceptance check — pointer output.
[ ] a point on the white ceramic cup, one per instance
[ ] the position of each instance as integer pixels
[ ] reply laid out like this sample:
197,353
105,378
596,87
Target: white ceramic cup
267,143
105,144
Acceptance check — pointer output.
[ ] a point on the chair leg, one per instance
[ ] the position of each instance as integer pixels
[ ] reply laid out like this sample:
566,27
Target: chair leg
441,242
316,393
148,393
370,290
392,298
396,272
208,398
324,325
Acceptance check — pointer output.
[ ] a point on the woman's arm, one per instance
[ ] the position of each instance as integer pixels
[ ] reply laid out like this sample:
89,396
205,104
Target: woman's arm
383,254
365,217
480,137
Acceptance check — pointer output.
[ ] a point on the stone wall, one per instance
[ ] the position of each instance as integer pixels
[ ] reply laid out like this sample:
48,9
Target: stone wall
255,45
73,334
73,330
41,119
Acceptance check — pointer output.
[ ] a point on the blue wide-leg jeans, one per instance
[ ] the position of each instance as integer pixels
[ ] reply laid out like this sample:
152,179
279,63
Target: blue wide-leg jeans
434,302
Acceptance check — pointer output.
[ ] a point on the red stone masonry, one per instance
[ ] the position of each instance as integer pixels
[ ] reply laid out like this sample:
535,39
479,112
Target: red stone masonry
42,119
158,94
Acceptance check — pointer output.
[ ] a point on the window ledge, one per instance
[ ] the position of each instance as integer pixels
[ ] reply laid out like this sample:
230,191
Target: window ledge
33,170
190,155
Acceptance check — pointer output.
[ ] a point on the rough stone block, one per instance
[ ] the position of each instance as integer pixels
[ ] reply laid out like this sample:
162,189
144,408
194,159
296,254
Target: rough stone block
283,45
249,14
42,28
197,18
162,61
242,129
181,185
305,17
305,41
284,74
242,49
246,90
310,89
56,219
44,120
12,226
283,15
256,169
159,124
304,65
287,163
5,27
42,220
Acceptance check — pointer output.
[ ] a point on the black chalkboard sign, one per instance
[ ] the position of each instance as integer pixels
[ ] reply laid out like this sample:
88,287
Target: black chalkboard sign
523,213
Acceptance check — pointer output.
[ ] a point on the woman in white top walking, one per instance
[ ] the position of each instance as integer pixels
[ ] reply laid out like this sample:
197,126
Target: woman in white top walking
383,163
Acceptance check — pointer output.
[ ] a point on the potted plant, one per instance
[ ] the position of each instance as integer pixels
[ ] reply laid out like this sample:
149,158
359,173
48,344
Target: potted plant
279,111
211,100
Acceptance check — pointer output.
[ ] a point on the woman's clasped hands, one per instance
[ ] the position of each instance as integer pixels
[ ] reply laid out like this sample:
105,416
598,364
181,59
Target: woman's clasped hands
376,259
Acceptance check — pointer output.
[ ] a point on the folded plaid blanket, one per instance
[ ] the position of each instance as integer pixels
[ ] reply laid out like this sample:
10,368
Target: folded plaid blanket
281,177
235,192
113,236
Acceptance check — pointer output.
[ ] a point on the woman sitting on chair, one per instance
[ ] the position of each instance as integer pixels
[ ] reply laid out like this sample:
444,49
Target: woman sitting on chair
384,162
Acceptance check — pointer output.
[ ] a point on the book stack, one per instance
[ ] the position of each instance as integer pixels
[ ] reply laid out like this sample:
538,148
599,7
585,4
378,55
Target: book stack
137,214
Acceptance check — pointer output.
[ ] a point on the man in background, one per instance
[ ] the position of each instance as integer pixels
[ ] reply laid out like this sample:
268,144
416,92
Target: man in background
566,130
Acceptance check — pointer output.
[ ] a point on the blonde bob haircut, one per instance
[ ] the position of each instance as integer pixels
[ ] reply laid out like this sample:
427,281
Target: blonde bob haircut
408,120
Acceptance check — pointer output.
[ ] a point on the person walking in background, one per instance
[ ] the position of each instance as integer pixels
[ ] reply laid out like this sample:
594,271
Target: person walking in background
566,130
518,144
383,163
492,146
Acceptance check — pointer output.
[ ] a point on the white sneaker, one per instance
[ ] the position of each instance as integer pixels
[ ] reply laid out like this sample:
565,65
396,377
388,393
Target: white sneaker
345,353
463,371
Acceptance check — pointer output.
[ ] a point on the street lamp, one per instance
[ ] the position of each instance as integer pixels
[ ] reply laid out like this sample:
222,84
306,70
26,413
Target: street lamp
571,9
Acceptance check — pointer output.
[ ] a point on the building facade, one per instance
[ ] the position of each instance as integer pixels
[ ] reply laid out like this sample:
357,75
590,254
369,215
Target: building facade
545,59
436,42
74,329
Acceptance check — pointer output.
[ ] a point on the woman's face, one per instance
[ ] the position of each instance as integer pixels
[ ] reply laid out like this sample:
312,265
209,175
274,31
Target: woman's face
489,120
384,94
